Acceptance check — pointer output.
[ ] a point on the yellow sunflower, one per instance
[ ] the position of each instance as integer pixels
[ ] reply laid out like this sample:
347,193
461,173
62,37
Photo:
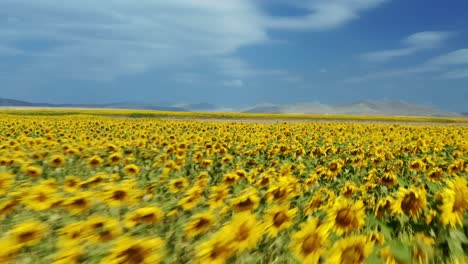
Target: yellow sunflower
28,233
247,200
411,201
454,202
245,230
94,162
217,250
178,185
78,203
103,229
311,242
346,215
8,250
128,249
423,249
199,224
147,215
278,219
71,184
56,161
73,234
352,250
131,170
40,197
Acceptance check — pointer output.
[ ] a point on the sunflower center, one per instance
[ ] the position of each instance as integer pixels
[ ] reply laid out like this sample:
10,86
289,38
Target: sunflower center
247,203
310,244
71,183
148,218
409,202
202,222
243,233
132,255
79,202
26,236
178,185
119,195
279,219
42,197
279,193
344,217
352,255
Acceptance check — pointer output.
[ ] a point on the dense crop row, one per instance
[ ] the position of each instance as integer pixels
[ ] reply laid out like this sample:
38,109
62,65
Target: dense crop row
115,190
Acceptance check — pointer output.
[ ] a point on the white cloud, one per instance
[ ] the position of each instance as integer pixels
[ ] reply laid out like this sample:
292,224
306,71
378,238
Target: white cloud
415,43
457,57
324,14
233,83
103,40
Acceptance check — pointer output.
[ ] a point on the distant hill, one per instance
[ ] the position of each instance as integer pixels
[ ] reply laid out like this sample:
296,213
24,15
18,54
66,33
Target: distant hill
363,107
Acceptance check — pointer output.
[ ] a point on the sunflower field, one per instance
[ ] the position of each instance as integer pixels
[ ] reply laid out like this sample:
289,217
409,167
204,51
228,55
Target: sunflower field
94,189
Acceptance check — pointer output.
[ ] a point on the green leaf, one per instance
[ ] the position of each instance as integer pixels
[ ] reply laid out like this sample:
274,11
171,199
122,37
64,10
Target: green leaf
456,248
458,235
401,251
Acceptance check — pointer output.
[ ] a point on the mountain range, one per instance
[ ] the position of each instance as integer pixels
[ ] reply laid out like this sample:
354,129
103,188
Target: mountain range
363,107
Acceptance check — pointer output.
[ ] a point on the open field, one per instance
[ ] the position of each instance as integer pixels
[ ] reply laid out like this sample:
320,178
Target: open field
218,116
116,186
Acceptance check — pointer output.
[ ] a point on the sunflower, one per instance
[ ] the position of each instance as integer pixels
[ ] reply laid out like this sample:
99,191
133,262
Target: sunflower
310,243
40,198
321,200
192,198
247,200
94,162
454,202
73,234
128,249
103,229
383,206
71,184
178,185
33,171
411,201
78,203
423,249
131,170
94,181
147,215
69,255
6,180
230,179
245,230
199,224
417,165
279,191
349,190
115,158
352,250
217,250
118,195
435,175
7,206
389,179
278,219
346,216
56,161
217,196
28,233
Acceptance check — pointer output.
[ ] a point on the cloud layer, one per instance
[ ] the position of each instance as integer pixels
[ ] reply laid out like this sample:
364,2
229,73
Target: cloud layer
414,43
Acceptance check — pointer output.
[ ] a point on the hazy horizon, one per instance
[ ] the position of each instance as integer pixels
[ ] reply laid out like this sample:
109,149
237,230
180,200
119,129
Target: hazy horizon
235,53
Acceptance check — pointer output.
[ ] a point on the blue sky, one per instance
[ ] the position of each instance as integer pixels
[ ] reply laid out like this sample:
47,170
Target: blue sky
235,53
